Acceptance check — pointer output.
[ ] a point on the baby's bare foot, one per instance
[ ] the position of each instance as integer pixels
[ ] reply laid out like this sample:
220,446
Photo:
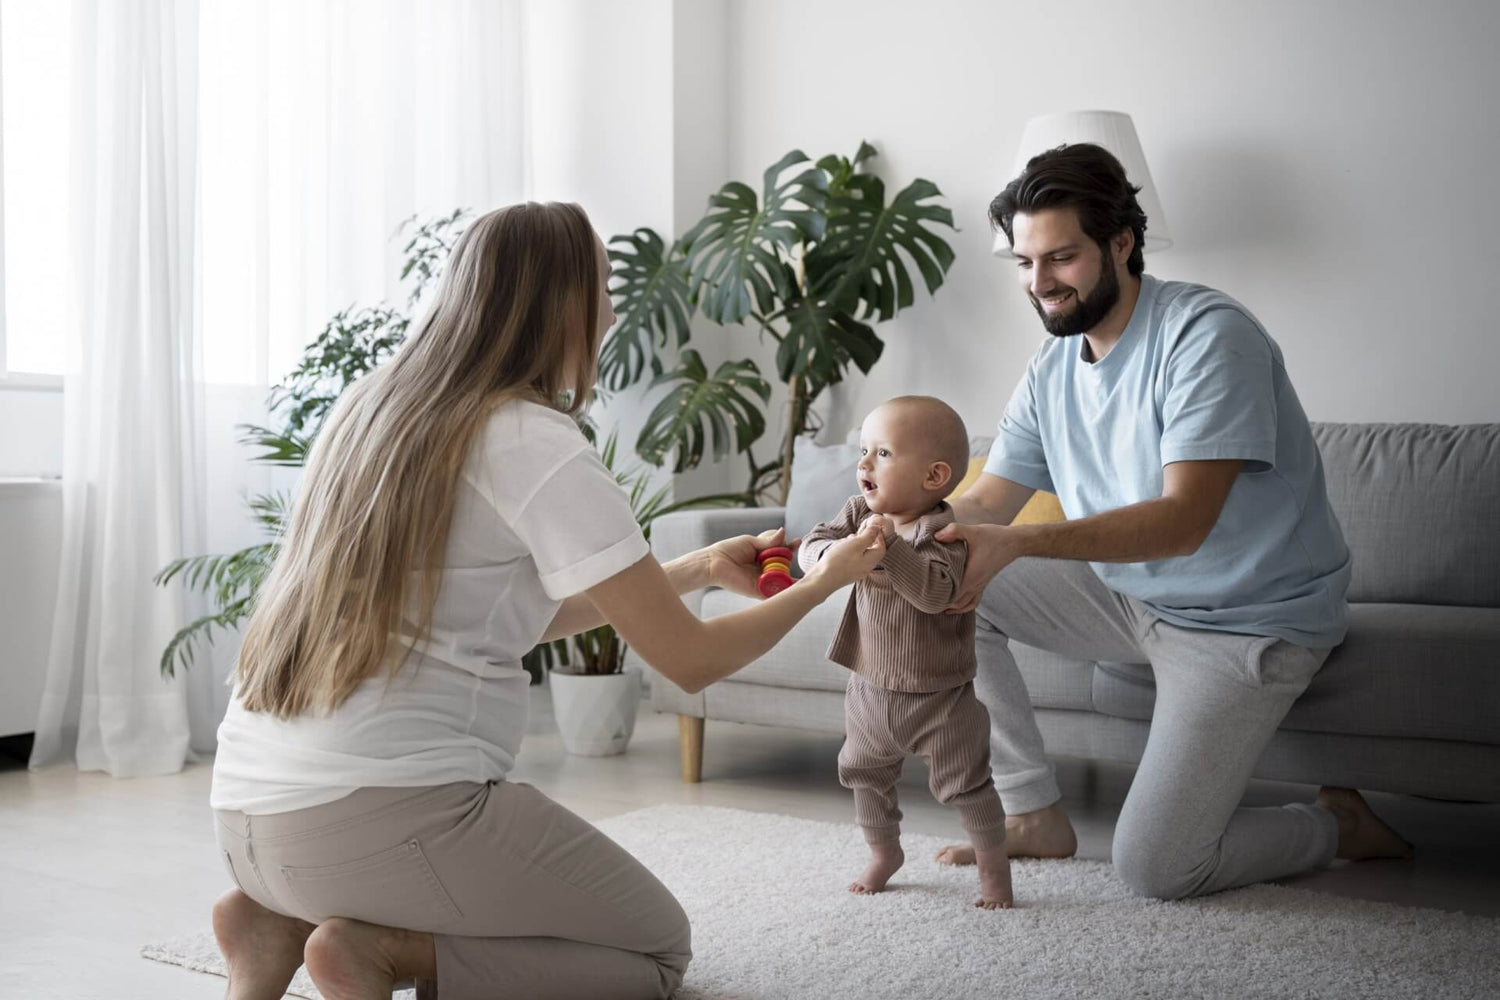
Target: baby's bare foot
1045,833
994,879
262,949
1362,834
885,860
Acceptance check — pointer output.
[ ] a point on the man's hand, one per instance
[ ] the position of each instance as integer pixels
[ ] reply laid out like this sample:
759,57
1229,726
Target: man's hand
733,564
883,524
991,549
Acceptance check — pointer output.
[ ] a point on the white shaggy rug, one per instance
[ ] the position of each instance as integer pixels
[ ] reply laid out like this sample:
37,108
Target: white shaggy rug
772,920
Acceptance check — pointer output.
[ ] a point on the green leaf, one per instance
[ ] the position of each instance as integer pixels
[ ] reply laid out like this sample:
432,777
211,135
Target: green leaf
649,282
702,408
857,266
735,250
180,649
840,169
821,341
285,448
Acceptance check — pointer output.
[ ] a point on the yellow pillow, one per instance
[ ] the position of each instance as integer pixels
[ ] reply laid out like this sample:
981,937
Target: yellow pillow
1042,508
976,466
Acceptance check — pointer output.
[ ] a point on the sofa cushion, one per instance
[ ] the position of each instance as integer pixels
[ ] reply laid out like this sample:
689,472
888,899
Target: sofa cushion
1418,505
1406,670
822,480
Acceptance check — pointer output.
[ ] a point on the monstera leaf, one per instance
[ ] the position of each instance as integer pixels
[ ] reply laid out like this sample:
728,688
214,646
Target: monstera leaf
649,282
733,251
840,168
700,406
856,265
821,341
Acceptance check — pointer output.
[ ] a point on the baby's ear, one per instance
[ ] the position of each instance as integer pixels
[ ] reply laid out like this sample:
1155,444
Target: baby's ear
939,475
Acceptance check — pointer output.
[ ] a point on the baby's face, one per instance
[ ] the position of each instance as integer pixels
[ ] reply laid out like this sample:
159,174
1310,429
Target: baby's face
893,464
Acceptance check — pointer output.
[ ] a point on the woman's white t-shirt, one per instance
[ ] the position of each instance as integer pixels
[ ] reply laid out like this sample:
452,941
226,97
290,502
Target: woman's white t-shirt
537,518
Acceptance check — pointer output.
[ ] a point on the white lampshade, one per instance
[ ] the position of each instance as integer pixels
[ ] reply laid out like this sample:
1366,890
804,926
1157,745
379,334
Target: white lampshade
1115,132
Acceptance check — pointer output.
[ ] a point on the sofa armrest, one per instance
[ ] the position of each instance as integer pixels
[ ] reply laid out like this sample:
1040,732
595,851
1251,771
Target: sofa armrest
685,531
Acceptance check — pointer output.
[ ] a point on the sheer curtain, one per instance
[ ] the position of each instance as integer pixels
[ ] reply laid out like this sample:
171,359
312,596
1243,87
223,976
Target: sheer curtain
240,170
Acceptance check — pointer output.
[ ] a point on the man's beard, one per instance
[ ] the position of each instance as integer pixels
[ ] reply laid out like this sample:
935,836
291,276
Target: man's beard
1089,312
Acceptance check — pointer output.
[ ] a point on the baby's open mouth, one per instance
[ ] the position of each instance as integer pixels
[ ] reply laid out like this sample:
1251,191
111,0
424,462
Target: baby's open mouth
868,485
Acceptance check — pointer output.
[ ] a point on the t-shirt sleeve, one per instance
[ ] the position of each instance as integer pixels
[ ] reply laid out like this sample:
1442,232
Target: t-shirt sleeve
1219,399
1017,453
579,527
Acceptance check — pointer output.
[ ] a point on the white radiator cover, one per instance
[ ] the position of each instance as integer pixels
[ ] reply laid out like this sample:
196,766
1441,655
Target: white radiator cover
30,553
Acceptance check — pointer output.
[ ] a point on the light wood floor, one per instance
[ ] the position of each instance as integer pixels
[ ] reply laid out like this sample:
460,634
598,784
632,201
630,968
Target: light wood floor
91,868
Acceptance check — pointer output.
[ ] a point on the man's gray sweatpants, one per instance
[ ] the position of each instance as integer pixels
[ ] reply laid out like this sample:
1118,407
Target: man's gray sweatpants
1219,698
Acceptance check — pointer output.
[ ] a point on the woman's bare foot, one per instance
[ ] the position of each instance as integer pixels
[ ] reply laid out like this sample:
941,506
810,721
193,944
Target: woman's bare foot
262,949
885,860
994,879
353,960
1046,833
1362,834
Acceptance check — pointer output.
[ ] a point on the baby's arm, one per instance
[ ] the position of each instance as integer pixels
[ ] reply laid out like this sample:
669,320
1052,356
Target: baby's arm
817,541
927,578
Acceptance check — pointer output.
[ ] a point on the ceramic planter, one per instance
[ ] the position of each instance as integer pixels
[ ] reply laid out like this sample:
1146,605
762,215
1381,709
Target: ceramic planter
595,712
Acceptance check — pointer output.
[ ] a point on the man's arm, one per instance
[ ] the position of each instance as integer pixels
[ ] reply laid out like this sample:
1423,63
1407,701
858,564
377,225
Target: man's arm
991,500
1173,524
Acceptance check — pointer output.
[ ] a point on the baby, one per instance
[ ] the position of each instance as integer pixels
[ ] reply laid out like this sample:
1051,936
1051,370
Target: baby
911,686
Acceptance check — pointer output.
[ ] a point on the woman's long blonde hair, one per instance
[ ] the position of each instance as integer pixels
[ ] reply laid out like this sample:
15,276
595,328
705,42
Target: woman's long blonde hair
517,308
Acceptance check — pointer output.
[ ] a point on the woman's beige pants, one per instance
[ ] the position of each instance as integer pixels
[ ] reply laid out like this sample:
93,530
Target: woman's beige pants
523,898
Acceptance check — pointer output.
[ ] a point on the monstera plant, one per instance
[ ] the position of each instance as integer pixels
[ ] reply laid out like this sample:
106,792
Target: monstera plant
812,261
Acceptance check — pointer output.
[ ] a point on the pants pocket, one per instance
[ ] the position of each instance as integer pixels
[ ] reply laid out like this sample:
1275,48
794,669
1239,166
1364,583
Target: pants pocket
396,887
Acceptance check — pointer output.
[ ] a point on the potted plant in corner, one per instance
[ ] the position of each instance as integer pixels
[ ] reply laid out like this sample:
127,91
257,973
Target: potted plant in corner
594,697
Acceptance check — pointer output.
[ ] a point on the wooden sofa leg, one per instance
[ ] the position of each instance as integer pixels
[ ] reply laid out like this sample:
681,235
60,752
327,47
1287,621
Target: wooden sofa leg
690,741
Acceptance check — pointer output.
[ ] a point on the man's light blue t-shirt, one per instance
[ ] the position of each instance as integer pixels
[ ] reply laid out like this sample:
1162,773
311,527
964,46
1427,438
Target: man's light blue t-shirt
1194,376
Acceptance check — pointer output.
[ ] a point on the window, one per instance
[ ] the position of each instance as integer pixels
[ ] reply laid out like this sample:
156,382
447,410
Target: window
34,81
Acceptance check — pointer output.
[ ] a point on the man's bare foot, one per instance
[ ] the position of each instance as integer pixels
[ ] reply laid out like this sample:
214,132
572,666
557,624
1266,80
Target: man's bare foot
262,949
1046,833
994,879
885,860
353,960
1362,834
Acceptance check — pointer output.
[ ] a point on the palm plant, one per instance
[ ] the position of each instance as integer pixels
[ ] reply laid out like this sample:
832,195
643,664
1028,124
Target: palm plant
810,262
352,343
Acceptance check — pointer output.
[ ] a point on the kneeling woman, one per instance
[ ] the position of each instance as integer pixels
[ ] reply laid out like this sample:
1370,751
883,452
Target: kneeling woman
450,517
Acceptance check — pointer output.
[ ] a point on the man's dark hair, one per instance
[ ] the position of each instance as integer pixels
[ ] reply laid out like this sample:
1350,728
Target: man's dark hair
1082,176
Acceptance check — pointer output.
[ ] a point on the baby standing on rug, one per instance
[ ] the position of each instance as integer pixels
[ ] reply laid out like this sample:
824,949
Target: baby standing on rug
911,686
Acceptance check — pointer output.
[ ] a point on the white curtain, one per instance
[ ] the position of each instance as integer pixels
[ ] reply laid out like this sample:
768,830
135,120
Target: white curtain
241,169
132,456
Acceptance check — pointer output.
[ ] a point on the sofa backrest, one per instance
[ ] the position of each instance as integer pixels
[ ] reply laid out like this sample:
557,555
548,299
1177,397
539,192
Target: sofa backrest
1420,508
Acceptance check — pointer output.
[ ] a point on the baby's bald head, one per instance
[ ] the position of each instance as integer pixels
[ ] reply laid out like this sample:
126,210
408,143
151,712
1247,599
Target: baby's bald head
933,427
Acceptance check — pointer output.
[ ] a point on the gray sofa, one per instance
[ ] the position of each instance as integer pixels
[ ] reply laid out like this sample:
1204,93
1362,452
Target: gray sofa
1409,703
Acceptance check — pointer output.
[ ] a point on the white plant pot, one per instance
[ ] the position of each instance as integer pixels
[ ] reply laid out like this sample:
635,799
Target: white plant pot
595,713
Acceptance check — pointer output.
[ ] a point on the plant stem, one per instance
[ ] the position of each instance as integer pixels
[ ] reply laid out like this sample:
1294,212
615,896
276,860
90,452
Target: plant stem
795,411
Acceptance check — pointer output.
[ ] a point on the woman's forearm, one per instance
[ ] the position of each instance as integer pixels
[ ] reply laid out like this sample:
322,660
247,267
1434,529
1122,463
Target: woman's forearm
719,646
578,613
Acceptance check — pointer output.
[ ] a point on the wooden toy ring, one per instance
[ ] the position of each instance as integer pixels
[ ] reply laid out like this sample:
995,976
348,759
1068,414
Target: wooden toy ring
773,583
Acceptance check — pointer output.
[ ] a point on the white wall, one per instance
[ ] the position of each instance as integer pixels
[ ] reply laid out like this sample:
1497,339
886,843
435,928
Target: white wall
1330,164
